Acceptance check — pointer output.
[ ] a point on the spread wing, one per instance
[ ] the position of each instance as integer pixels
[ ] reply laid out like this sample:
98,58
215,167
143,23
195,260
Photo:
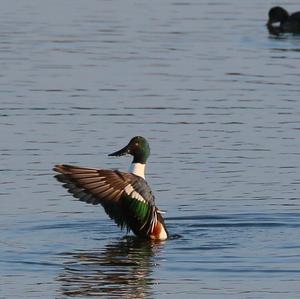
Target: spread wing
126,198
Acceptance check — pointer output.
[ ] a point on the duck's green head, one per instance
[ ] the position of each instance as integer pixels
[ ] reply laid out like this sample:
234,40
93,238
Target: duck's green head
138,147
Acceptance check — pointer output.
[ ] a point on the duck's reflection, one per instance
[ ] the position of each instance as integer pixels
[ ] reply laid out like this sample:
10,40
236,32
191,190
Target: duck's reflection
122,269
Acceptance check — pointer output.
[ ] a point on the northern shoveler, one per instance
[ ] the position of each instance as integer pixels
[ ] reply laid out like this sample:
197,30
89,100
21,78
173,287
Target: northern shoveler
125,196
288,23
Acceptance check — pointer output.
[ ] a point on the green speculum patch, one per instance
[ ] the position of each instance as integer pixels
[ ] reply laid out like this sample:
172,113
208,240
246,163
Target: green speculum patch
140,208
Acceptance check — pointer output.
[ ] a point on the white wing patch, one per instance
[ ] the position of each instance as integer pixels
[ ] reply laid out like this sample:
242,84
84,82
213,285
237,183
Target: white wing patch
128,189
131,192
137,196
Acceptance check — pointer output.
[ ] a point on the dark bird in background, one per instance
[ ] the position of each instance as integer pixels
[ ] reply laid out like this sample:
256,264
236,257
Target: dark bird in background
280,21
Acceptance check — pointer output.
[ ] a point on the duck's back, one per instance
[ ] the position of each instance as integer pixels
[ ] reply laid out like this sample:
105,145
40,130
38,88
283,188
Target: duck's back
293,23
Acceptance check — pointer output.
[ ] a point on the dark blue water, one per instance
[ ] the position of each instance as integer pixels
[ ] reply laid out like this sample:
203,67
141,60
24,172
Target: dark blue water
218,100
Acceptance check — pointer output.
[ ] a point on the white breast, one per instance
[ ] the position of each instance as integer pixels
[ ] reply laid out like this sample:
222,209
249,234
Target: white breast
138,169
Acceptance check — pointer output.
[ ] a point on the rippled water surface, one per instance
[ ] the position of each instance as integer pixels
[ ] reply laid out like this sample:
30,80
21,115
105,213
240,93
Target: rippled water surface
218,99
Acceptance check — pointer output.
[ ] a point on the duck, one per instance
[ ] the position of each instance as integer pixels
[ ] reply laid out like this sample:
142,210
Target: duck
288,23
125,196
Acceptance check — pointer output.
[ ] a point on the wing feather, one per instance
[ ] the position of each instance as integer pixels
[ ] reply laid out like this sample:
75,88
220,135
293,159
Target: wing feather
133,208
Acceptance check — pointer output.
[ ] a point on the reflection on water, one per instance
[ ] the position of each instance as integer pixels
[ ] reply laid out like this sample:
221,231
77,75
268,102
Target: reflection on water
122,268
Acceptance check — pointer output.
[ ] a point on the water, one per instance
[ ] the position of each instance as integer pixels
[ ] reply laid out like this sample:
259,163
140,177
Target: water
218,100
